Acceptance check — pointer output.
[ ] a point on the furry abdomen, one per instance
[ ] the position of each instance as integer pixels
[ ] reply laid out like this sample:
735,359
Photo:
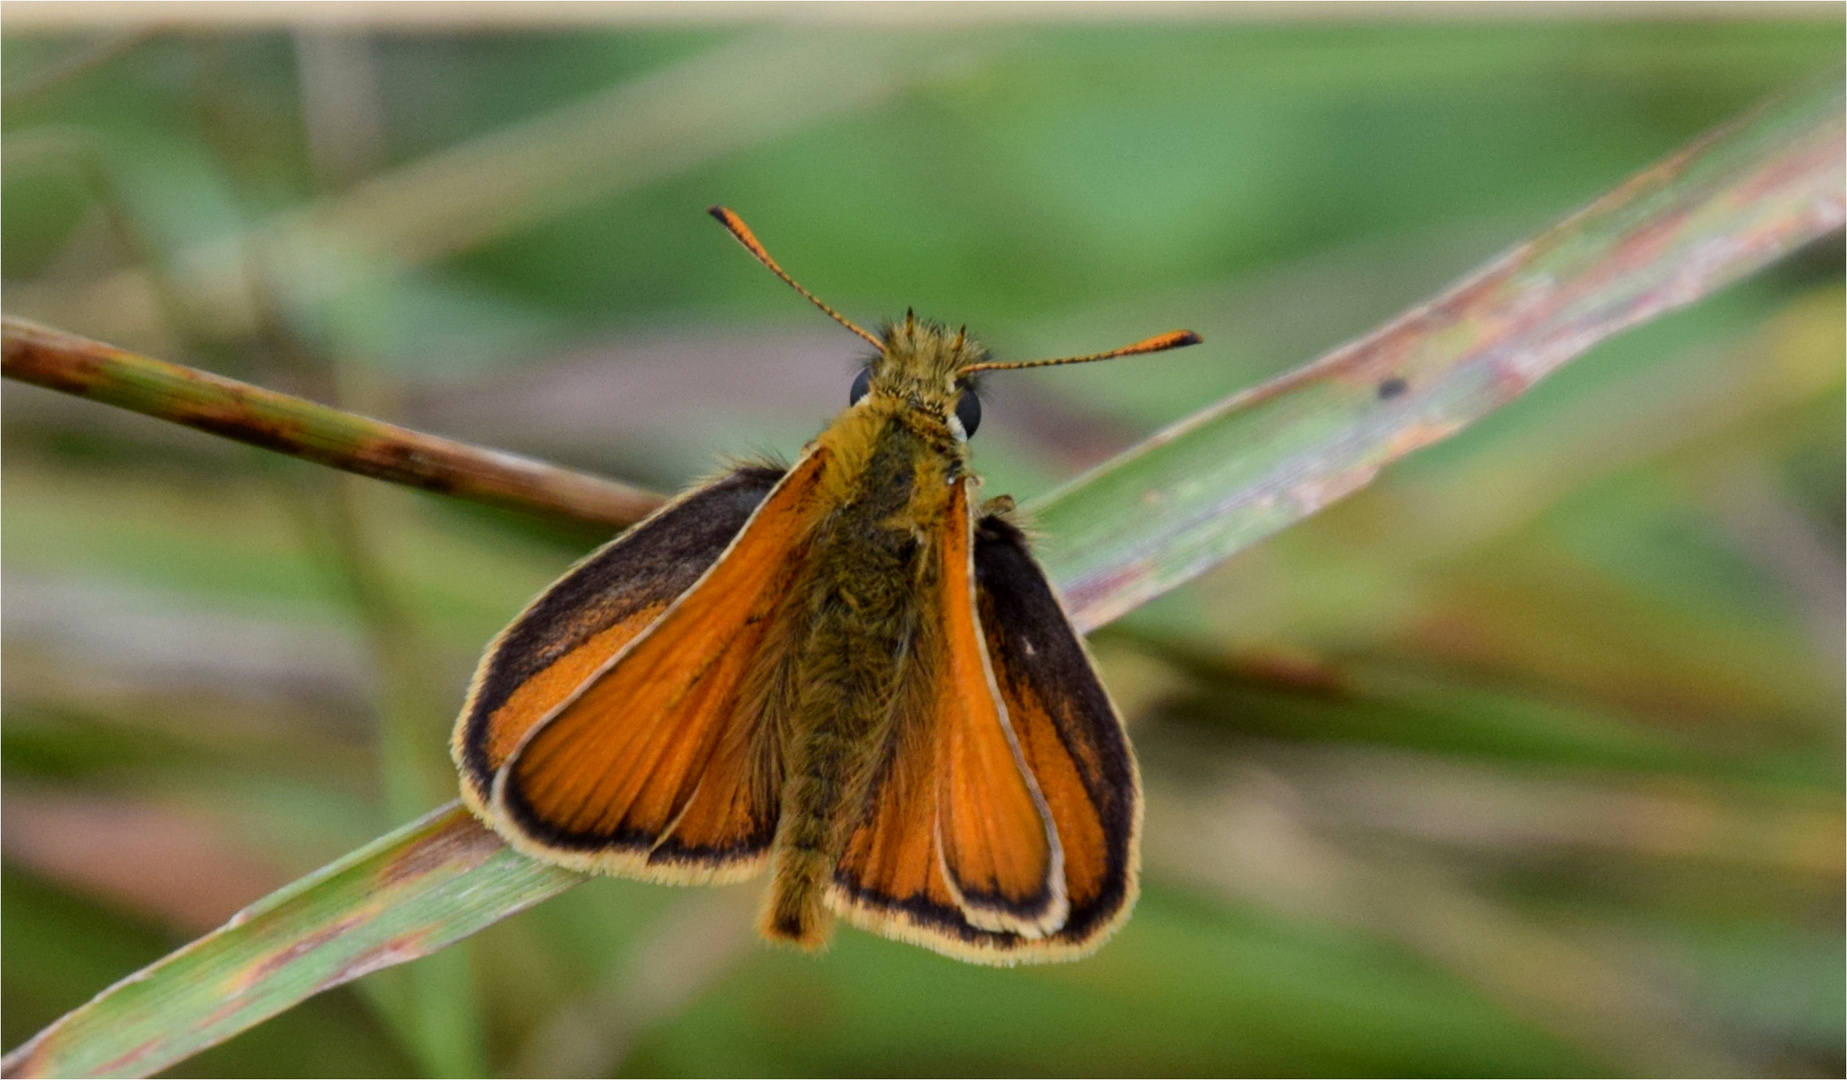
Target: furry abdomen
868,570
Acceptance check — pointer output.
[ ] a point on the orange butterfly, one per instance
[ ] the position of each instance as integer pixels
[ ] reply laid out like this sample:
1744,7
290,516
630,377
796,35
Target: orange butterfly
849,671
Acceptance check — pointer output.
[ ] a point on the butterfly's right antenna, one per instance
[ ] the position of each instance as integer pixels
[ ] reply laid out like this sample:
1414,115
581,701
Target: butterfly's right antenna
1173,339
751,244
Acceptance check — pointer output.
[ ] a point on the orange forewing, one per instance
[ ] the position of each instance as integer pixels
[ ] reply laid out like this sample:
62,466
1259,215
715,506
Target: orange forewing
957,850
655,767
571,631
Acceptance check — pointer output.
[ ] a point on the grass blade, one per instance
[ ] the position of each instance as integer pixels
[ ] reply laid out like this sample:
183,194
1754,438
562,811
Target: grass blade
298,427
405,895
1133,528
1165,511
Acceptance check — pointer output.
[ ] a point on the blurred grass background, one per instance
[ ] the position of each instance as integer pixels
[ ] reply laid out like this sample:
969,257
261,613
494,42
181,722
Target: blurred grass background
1525,761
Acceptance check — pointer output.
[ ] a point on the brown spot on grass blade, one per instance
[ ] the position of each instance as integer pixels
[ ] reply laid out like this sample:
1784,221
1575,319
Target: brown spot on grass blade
460,845
295,950
317,433
391,953
124,1065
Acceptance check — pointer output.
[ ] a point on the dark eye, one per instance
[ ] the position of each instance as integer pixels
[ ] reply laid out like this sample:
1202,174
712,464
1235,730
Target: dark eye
968,411
860,386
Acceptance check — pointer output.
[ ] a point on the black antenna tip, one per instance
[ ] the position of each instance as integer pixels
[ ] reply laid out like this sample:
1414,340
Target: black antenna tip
1187,337
718,211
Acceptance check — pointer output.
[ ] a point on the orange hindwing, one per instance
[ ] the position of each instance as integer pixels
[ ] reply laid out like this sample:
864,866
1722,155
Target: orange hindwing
1069,733
958,850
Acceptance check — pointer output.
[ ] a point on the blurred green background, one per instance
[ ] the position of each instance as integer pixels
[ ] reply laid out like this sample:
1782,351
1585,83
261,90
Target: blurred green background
1525,761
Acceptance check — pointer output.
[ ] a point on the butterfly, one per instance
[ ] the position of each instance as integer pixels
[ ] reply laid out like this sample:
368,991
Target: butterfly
850,671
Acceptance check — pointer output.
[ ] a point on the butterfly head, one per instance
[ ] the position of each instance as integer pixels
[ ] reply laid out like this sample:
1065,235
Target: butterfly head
921,368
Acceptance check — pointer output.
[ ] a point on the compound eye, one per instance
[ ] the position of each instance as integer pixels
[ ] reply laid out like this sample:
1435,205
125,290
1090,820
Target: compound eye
968,413
860,385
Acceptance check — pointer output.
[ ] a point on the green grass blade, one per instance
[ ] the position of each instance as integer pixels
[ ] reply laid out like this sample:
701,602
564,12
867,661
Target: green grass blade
1165,511
405,895
1141,524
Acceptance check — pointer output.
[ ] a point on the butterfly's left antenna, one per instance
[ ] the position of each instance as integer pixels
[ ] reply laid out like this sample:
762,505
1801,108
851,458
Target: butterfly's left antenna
751,244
